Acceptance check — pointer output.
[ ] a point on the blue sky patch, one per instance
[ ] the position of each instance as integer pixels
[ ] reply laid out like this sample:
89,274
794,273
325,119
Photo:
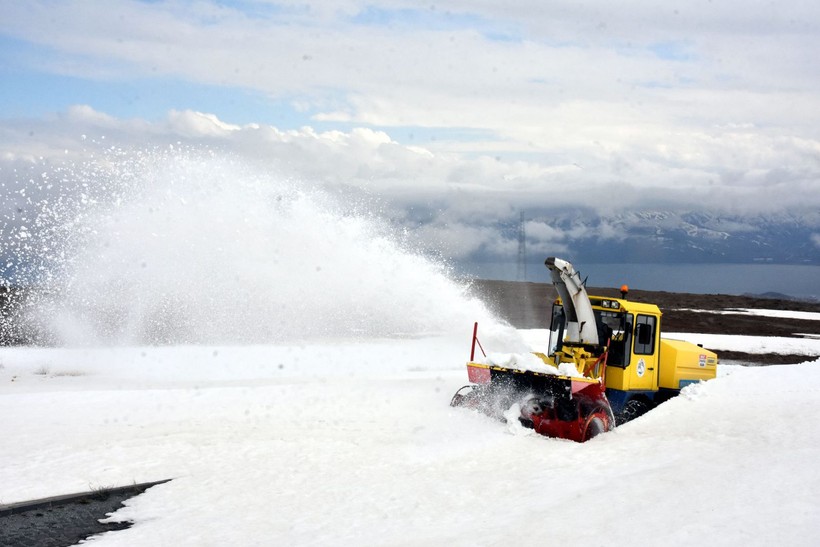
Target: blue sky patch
32,94
672,51
436,21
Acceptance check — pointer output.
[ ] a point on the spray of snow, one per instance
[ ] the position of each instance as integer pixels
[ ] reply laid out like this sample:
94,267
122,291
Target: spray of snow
176,246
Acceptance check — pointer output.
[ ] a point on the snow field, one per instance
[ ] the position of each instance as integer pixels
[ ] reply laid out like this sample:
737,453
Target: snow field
353,443
805,315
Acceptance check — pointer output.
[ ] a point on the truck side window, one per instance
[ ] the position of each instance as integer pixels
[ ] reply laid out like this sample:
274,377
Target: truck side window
645,335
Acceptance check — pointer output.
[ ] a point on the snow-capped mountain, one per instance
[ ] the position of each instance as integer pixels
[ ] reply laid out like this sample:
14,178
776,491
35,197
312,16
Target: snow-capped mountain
687,237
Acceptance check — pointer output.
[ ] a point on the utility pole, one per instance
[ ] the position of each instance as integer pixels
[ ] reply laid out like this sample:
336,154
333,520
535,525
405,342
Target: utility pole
522,249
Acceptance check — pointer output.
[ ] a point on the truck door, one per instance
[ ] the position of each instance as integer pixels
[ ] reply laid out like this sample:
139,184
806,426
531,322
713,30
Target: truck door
644,363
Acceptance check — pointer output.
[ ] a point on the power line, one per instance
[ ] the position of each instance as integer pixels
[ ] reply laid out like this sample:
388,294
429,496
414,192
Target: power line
522,249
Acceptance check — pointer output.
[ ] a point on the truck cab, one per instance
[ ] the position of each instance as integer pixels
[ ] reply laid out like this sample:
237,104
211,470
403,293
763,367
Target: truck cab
642,368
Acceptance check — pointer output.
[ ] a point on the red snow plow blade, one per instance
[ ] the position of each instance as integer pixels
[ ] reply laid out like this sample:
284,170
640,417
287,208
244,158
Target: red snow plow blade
556,406
565,407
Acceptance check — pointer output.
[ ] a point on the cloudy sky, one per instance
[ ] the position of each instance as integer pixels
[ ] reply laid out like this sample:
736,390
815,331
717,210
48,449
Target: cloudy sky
458,115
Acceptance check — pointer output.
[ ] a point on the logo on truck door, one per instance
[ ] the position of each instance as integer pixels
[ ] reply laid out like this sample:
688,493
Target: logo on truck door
641,367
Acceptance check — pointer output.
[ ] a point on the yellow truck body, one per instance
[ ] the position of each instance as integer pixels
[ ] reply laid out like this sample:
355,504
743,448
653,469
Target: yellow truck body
643,369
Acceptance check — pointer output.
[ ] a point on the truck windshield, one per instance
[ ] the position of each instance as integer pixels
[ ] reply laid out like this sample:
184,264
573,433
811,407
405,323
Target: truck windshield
612,325
615,327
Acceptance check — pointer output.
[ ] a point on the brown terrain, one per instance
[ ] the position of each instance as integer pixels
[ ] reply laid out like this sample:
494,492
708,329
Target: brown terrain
528,305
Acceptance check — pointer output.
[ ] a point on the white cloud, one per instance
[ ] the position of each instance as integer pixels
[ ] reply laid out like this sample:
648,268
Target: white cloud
570,74
198,124
459,205
542,232
735,170
460,241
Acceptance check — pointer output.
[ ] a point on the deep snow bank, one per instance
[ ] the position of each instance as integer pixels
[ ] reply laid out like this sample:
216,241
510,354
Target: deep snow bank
374,455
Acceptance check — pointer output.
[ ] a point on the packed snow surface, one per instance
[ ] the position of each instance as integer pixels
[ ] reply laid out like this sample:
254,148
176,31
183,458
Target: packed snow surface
352,442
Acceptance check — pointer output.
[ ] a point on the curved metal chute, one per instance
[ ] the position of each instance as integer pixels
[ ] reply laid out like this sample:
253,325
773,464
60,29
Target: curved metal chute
581,326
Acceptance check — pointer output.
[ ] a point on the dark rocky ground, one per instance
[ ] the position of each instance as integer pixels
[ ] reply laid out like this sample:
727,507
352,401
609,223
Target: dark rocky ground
64,520
528,306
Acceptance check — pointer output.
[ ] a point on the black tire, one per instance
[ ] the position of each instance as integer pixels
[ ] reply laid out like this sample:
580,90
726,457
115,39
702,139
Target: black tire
470,396
632,409
595,427
465,396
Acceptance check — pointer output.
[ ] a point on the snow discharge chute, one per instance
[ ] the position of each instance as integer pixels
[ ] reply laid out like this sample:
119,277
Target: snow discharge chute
580,317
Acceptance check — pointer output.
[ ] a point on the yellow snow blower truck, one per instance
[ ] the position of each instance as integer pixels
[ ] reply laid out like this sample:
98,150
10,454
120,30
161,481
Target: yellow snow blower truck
606,365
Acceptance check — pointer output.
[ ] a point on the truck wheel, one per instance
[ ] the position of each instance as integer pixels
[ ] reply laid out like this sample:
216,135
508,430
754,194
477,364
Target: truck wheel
632,409
596,424
469,396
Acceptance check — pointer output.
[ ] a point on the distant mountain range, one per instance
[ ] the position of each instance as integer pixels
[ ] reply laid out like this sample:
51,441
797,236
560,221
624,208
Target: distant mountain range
690,237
